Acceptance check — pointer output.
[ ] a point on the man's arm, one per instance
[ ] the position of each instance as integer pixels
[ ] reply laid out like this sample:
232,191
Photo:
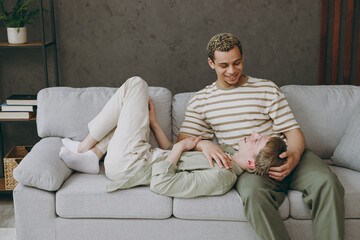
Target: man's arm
211,151
182,146
168,180
295,148
160,135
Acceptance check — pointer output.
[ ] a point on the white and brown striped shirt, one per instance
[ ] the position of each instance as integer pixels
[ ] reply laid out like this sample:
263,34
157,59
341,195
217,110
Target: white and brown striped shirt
231,114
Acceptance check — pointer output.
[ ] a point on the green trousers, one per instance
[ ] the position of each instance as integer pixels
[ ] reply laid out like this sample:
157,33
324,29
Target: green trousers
322,192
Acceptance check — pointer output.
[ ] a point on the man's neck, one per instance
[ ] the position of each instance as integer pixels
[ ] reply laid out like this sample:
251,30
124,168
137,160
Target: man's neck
235,158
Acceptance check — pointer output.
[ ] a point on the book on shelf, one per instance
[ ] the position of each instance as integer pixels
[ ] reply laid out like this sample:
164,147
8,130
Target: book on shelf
21,99
17,115
17,108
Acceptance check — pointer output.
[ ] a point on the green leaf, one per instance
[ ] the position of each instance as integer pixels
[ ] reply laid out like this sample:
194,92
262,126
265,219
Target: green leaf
20,15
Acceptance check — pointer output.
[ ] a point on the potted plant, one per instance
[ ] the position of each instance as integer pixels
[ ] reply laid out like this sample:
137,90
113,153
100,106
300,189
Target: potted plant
16,19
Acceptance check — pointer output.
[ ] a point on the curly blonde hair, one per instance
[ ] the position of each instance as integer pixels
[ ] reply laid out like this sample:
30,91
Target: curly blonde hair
222,42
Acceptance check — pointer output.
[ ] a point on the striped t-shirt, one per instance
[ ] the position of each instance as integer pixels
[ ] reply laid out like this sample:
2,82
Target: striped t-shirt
231,114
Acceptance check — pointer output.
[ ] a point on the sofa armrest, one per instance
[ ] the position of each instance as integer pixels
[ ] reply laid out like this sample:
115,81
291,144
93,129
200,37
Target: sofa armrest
42,167
34,213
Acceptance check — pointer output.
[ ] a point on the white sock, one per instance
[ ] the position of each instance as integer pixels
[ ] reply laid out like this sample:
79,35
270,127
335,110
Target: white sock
71,144
86,162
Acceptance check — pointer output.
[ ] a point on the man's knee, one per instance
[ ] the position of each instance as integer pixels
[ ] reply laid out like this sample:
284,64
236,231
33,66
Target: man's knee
252,196
138,81
259,194
329,183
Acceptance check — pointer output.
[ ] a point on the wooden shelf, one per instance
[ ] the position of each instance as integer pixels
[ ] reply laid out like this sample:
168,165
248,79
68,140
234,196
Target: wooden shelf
18,120
25,45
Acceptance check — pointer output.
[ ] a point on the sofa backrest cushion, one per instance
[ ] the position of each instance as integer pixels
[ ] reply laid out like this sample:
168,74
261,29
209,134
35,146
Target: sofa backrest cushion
323,113
66,112
179,104
347,154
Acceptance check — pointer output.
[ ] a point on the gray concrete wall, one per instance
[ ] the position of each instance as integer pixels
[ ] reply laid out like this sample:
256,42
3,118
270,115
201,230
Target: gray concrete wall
102,43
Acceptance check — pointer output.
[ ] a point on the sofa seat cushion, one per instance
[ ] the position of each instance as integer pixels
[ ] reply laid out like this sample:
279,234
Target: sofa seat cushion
227,207
84,196
349,179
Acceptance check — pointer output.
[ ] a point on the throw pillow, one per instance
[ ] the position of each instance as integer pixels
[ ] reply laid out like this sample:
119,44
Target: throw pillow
347,153
42,167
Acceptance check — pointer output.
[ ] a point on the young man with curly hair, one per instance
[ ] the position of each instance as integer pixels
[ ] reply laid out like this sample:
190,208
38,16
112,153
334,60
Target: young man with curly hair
234,106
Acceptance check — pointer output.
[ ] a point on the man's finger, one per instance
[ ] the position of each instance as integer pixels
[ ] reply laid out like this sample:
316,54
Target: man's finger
228,163
224,159
219,163
217,160
283,155
280,168
197,139
277,176
275,169
209,158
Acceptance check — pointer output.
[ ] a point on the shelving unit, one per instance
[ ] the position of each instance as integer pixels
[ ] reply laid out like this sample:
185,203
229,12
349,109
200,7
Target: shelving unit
25,45
2,179
43,44
2,184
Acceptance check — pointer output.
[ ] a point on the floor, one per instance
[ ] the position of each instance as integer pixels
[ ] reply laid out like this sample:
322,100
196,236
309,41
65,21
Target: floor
7,219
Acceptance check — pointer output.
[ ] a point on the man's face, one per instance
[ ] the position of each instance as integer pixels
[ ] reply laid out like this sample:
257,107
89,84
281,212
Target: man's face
228,67
249,148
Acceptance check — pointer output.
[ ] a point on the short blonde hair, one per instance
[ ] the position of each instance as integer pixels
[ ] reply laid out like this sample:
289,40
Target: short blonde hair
222,42
269,156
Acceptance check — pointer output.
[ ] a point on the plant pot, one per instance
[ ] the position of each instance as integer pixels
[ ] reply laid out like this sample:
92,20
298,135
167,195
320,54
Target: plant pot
17,35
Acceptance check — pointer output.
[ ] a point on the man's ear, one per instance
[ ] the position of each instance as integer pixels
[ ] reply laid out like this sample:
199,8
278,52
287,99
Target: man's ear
211,63
251,164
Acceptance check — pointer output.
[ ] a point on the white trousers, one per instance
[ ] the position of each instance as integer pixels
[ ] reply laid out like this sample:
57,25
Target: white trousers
122,129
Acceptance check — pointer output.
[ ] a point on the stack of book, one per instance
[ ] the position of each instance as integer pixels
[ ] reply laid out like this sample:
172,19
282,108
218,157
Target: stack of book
19,107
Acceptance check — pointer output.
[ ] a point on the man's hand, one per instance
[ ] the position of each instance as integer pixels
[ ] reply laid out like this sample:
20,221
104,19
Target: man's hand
181,146
188,144
279,173
152,114
212,151
295,148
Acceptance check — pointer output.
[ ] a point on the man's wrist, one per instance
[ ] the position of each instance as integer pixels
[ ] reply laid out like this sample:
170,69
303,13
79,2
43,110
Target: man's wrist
200,144
296,156
179,146
297,153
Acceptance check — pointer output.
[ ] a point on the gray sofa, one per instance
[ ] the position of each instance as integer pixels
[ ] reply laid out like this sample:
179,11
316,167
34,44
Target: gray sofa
52,202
